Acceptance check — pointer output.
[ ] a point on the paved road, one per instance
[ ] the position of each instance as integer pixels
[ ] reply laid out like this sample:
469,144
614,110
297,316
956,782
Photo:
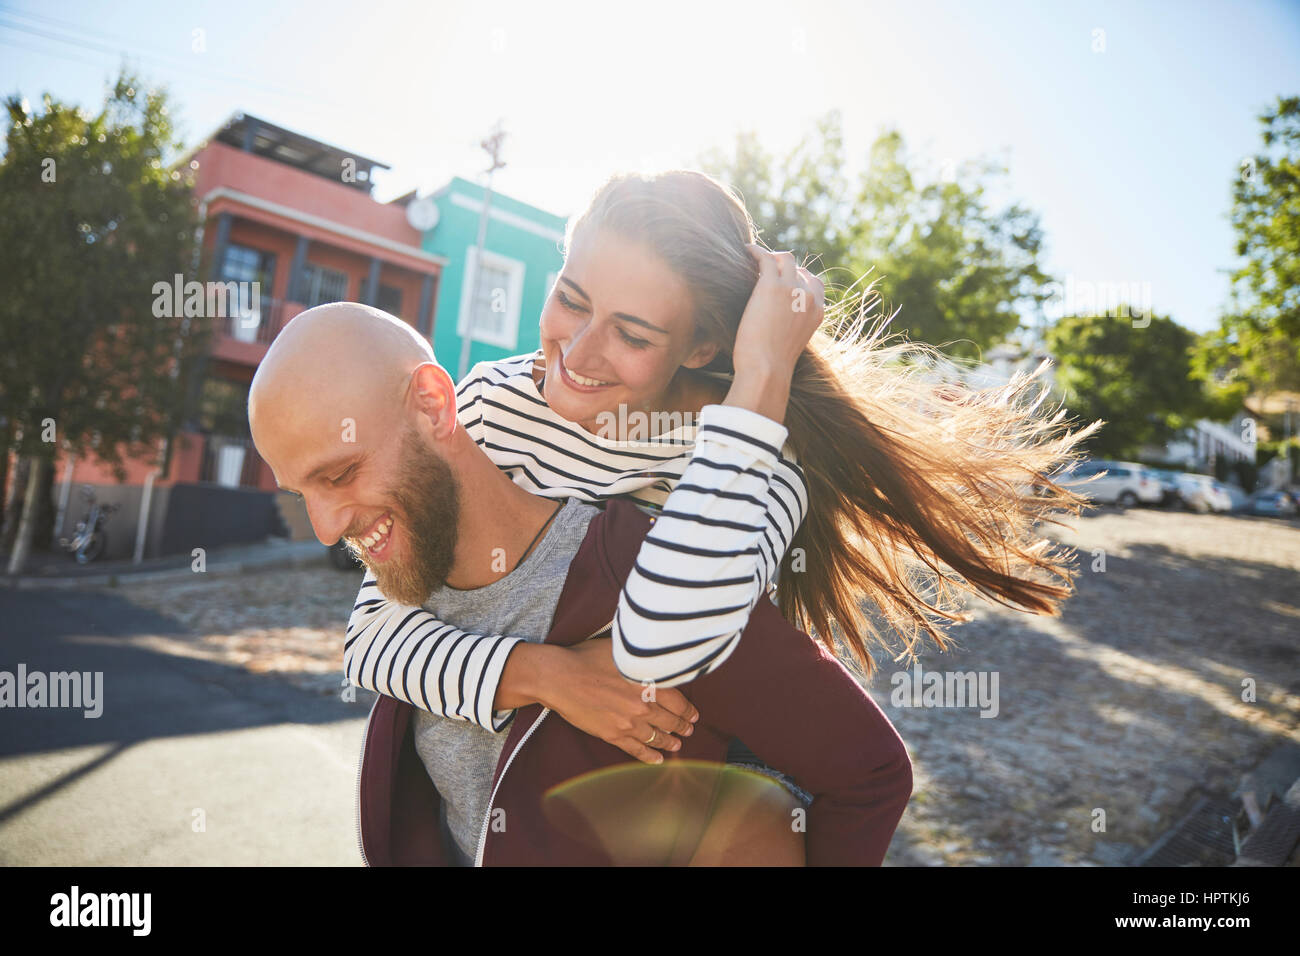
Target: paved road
271,767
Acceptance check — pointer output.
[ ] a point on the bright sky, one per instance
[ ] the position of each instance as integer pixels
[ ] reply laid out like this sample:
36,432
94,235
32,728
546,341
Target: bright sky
1128,153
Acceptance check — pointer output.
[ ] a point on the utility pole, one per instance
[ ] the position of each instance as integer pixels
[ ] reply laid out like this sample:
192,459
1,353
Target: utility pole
492,145
1286,447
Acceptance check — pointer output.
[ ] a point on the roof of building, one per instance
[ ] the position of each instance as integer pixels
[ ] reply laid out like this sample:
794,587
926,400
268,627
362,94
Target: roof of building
263,138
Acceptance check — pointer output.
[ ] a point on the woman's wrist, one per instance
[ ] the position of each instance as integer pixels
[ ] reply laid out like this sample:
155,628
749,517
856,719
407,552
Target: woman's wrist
527,677
763,390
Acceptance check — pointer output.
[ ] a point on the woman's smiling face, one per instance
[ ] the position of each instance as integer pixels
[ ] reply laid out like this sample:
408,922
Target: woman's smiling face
616,330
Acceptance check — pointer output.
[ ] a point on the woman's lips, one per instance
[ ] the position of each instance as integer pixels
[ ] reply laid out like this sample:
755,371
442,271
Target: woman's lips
577,386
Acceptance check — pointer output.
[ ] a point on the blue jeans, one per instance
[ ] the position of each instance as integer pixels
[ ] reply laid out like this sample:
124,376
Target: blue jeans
739,755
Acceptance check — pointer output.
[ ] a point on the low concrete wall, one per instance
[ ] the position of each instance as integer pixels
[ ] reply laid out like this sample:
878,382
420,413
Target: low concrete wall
182,517
293,512
203,515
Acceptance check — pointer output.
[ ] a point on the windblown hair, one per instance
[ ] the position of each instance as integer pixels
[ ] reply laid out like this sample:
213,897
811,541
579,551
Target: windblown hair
922,489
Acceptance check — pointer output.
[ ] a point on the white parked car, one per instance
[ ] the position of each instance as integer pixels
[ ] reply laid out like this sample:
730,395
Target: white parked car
1124,483
1202,493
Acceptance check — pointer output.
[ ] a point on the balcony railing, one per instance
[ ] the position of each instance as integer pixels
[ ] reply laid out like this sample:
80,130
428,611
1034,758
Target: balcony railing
259,324
232,462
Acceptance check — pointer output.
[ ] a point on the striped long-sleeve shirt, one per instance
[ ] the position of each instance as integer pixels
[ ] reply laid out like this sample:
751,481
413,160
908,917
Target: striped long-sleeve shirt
728,500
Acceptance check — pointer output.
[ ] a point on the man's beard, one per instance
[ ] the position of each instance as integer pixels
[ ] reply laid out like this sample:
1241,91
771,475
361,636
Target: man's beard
427,503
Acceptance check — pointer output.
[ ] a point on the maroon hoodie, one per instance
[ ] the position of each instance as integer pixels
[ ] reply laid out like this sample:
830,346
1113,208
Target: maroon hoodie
781,692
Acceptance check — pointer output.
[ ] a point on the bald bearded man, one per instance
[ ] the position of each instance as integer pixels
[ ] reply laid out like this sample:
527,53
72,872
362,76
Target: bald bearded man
351,411
347,408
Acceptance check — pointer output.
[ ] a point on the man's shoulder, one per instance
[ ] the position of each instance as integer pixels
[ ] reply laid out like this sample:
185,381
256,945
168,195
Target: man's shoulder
603,560
609,535
614,535
574,520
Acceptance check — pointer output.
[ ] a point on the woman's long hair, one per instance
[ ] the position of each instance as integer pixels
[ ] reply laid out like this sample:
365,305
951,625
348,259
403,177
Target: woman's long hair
920,486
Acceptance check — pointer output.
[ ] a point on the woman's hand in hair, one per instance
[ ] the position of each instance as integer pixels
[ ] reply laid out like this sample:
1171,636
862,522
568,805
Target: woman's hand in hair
784,310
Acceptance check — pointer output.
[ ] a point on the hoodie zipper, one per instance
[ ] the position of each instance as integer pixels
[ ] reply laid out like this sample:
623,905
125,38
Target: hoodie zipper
482,836
487,816
365,735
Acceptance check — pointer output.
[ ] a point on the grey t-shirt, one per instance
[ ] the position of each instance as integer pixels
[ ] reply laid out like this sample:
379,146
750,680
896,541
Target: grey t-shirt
461,757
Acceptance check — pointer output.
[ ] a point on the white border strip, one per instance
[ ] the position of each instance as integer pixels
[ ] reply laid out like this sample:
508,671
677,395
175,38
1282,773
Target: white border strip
508,218
221,192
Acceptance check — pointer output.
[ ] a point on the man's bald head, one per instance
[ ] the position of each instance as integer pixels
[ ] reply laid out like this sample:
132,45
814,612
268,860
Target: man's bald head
353,351
339,375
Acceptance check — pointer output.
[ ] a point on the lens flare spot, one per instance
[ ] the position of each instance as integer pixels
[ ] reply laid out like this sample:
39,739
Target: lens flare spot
671,814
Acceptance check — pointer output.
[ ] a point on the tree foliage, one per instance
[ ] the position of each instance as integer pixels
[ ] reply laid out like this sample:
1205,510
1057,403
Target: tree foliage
1137,379
91,217
961,274
1257,343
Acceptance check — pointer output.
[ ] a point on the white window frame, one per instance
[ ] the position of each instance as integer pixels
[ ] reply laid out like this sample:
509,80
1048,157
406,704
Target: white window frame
509,337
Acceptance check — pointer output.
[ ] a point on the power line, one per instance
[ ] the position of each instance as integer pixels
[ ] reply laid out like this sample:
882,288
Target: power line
162,61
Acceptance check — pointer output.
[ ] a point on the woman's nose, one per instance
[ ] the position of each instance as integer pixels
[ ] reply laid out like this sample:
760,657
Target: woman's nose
583,345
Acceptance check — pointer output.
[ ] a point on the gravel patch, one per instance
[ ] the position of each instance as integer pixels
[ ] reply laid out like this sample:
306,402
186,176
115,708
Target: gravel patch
1122,710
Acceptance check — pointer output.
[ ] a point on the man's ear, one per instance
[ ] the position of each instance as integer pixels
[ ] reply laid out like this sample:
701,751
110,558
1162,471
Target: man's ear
434,395
703,355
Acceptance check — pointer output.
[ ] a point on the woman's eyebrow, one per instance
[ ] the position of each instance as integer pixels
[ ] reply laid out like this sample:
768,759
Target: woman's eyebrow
576,288
618,315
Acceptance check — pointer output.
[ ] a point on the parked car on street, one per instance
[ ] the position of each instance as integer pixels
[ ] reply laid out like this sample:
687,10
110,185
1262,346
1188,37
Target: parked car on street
1203,494
1237,495
1168,484
1124,483
1276,504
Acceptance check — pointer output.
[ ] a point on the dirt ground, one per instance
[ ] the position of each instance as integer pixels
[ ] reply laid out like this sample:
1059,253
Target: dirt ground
1130,703
1127,706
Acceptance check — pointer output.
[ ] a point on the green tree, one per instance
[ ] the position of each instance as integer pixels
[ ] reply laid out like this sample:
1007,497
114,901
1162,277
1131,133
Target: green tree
91,217
1137,379
1257,343
797,201
962,274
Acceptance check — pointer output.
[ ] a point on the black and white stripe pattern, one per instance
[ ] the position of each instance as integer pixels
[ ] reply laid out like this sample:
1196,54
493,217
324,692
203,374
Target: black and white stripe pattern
407,653
727,502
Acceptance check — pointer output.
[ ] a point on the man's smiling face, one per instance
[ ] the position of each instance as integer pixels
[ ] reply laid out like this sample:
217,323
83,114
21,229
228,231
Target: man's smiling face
353,449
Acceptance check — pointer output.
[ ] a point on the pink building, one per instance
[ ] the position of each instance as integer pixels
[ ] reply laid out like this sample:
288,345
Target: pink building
295,216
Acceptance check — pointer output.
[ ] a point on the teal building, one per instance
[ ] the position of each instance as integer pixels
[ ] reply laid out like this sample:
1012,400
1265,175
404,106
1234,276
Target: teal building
523,254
